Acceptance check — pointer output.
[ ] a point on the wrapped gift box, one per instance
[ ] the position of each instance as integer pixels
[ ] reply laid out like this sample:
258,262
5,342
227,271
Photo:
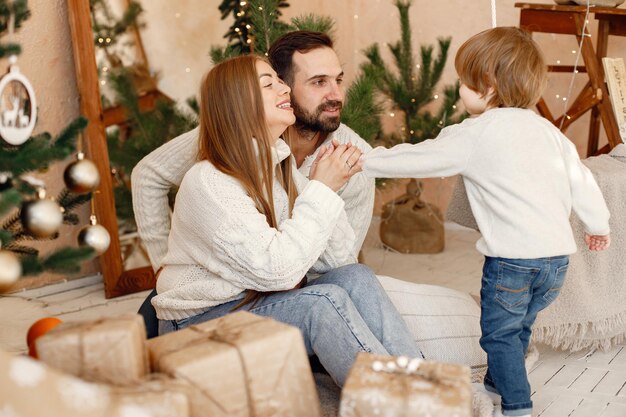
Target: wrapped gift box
240,365
385,386
110,350
30,388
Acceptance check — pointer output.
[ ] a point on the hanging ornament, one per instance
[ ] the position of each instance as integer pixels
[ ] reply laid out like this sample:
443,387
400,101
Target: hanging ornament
81,176
18,106
94,236
10,269
42,217
6,181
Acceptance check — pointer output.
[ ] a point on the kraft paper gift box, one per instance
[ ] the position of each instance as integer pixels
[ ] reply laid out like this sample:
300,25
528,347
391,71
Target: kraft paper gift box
240,365
385,386
110,350
30,388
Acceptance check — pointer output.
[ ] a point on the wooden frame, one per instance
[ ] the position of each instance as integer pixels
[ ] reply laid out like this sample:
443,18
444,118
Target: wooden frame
594,97
116,281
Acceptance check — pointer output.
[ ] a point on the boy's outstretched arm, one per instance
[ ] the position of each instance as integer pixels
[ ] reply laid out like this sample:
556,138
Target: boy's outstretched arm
444,156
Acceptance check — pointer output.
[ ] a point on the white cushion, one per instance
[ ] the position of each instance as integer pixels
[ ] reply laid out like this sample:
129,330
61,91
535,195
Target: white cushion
444,322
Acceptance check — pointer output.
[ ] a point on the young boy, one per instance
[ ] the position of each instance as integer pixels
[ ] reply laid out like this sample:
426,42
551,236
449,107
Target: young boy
523,177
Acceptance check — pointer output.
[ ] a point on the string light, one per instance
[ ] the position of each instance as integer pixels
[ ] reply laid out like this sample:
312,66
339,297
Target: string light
436,96
580,47
242,3
392,114
356,16
187,69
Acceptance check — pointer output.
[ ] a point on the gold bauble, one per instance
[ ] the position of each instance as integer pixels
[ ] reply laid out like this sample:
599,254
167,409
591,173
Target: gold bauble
81,176
96,237
41,218
10,269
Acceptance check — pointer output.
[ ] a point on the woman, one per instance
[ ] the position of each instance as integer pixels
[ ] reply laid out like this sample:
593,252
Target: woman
247,228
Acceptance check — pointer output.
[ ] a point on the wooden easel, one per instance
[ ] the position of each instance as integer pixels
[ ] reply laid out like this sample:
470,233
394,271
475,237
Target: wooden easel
570,20
116,281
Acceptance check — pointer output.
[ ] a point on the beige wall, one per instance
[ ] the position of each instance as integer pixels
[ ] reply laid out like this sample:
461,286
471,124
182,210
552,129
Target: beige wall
47,61
178,36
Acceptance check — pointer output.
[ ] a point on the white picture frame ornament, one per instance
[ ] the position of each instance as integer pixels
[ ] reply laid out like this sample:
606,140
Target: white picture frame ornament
15,126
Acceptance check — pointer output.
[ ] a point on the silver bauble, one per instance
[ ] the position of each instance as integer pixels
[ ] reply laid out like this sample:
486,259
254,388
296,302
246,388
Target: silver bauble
41,218
81,176
96,237
10,269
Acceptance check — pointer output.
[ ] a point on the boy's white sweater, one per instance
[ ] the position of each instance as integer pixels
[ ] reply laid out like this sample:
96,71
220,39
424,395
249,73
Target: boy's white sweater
220,244
522,176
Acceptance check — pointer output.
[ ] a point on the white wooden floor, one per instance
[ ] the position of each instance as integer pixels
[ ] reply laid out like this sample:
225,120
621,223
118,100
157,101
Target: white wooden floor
583,384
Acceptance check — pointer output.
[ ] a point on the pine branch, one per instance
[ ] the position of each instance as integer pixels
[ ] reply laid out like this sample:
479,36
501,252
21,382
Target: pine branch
5,238
219,54
265,26
362,111
23,250
38,152
19,8
106,28
314,23
69,200
239,32
9,200
65,260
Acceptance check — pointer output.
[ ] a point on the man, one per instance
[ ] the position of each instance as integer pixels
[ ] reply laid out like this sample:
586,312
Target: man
307,62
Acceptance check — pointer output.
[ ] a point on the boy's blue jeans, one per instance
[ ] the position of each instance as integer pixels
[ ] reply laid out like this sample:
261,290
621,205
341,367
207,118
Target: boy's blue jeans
341,313
513,292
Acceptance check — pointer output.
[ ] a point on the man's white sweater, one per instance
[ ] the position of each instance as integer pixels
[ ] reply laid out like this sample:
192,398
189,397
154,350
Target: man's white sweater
522,176
165,167
220,244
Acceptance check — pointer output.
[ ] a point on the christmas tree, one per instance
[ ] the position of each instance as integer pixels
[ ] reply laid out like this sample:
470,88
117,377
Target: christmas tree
128,78
26,214
142,132
411,90
260,20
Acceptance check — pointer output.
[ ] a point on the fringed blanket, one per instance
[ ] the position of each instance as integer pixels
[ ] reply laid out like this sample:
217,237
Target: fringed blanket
590,311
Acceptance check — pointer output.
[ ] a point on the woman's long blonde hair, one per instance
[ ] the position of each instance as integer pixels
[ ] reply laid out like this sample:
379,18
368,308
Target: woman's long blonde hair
231,115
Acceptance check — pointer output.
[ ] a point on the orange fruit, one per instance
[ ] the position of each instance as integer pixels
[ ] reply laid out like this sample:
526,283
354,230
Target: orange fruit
37,329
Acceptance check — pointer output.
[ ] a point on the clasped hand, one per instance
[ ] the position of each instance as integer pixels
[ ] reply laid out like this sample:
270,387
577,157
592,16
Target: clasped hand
335,164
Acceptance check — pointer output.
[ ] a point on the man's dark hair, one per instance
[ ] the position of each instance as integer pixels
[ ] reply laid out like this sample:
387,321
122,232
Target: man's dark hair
281,52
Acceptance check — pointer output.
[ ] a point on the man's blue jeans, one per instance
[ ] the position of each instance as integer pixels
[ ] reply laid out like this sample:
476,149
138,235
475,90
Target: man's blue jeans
341,313
513,292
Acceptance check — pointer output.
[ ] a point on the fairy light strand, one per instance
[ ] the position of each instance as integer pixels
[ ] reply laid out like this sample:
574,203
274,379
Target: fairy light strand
578,54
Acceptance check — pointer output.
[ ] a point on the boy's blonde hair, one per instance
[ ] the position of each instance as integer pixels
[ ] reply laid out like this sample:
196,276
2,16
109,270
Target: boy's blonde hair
506,59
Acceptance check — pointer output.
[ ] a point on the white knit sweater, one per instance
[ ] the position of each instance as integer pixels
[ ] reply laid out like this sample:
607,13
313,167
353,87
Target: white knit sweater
220,244
164,168
522,176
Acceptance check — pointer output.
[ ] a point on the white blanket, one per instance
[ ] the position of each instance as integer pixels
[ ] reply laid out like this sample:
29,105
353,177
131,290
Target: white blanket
590,311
